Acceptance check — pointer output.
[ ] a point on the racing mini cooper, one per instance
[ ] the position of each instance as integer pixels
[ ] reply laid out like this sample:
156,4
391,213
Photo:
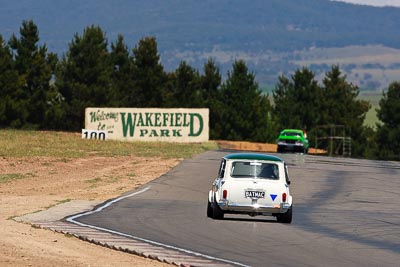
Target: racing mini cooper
252,184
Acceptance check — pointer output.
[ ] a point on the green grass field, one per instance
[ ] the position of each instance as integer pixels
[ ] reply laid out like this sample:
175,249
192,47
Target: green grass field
18,143
372,68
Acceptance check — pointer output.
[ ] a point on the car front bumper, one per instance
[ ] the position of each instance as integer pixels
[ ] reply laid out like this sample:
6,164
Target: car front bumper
291,147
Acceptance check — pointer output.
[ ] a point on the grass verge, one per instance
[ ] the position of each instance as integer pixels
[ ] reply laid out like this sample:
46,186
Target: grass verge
23,143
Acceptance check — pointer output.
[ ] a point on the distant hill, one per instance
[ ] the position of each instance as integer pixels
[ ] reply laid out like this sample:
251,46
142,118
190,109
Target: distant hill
273,36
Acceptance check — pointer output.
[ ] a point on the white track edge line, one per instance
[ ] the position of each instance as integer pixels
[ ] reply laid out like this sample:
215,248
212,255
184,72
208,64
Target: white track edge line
72,220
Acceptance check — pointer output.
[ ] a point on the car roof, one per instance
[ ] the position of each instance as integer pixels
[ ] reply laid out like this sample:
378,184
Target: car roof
252,156
292,130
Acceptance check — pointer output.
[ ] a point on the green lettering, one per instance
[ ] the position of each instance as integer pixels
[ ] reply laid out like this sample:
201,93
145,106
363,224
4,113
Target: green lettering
185,122
172,120
101,127
165,119
148,119
158,121
92,116
141,121
128,124
176,133
178,122
164,132
153,133
200,120
143,132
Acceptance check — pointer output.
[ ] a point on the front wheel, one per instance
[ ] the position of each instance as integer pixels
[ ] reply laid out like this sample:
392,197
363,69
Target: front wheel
285,217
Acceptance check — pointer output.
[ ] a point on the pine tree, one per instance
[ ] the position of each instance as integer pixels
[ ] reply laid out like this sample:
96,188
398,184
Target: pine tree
284,102
245,116
211,80
210,86
35,69
124,89
185,91
341,106
388,133
84,76
150,77
297,101
13,112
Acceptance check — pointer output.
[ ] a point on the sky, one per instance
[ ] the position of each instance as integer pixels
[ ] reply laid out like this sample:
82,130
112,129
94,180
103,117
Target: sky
374,2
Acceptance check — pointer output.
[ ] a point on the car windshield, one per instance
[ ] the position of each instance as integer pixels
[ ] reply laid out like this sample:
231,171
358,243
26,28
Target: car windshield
243,169
291,134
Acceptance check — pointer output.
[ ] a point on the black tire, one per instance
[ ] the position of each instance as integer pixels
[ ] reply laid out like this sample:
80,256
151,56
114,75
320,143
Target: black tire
217,213
209,210
285,217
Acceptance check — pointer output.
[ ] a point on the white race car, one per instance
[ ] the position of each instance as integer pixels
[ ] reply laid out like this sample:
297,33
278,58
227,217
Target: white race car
253,184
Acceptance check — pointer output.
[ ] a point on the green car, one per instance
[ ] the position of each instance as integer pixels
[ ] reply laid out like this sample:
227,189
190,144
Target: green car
292,140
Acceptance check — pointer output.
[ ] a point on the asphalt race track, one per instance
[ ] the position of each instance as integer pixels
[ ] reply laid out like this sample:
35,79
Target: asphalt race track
346,213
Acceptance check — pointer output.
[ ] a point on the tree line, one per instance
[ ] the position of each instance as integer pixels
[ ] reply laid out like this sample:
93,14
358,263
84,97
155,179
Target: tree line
38,90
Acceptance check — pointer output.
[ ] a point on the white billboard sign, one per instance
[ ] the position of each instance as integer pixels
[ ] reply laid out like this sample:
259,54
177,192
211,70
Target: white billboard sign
150,124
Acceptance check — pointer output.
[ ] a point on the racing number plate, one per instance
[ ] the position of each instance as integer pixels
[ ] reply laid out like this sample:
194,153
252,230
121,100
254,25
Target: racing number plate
254,194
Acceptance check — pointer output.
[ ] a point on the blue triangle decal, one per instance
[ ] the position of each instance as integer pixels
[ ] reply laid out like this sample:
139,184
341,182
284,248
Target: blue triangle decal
273,197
